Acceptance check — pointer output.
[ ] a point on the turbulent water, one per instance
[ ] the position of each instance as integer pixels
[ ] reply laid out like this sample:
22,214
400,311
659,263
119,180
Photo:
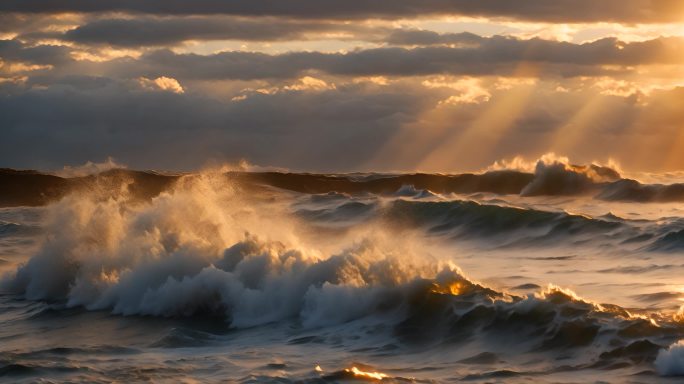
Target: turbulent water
560,274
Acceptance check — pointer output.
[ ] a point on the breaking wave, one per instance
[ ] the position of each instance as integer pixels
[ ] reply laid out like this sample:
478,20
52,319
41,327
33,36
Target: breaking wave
670,361
205,249
195,250
550,176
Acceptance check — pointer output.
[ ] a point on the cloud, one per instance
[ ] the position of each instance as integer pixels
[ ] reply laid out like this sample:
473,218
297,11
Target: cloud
20,23
13,50
423,37
531,120
494,56
166,31
469,90
498,55
568,11
316,125
162,83
77,121
325,85
308,83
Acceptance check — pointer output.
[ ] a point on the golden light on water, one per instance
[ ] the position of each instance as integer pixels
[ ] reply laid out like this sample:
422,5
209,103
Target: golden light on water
366,374
455,288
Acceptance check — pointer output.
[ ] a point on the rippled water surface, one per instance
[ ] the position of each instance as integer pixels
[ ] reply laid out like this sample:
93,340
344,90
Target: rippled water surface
212,282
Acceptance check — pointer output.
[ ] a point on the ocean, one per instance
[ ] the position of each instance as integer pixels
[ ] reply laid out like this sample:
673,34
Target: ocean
559,274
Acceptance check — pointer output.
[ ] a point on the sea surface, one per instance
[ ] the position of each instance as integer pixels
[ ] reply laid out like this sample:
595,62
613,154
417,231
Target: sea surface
562,274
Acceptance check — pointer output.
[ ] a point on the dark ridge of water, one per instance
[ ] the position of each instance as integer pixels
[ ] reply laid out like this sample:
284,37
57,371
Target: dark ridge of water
514,227
181,337
672,241
32,188
499,224
347,211
8,229
632,190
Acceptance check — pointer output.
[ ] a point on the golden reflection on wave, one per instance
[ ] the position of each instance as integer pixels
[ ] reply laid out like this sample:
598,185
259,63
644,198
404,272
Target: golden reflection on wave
455,288
366,374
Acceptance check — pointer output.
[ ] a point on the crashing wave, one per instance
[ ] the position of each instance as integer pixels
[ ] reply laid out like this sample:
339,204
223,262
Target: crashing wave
670,361
202,250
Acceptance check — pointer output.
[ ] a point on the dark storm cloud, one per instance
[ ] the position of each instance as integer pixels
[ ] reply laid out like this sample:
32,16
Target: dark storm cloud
375,62
80,118
167,31
497,55
628,11
151,31
423,37
500,56
494,56
13,50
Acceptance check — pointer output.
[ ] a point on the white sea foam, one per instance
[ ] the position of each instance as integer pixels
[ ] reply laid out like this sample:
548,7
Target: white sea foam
201,247
670,361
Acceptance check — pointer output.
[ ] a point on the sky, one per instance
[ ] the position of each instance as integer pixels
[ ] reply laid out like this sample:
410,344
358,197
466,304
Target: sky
341,85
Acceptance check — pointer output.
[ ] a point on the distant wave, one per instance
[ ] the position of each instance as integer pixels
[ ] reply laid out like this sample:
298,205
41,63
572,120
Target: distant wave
14,229
671,241
417,201
474,218
632,190
496,225
9,228
33,188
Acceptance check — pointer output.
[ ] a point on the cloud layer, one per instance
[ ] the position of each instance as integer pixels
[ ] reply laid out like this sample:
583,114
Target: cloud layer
628,11
340,85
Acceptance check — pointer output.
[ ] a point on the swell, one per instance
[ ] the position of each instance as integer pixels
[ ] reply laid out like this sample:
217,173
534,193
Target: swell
32,188
548,180
501,182
16,229
551,321
671,241
474,219
497,225
461,218
63,364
